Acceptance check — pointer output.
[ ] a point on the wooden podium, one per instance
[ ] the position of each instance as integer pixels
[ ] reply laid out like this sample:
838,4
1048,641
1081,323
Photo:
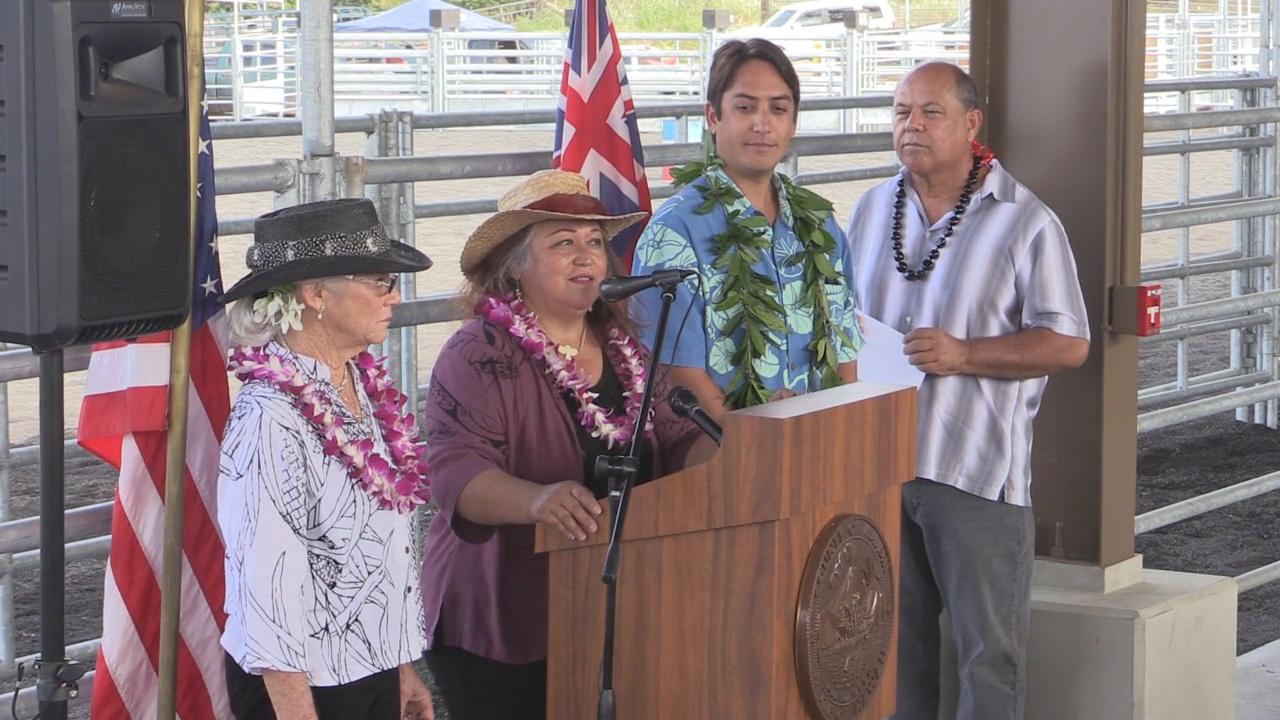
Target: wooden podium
714,601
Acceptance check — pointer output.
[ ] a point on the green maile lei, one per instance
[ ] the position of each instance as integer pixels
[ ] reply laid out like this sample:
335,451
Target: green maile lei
749,298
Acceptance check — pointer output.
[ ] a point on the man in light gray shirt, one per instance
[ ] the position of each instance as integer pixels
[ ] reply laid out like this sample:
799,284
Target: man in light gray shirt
978,274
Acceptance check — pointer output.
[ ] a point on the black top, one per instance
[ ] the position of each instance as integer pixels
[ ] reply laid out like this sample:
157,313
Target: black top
610,390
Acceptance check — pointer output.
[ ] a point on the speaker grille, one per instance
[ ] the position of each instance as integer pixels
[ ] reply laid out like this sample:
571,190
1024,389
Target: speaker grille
134,222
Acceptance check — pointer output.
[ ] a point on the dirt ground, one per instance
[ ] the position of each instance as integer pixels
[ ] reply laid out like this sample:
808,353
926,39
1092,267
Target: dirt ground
1172,464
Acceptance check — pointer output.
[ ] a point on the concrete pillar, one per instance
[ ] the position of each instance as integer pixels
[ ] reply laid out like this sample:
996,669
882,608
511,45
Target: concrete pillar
1064,113
1064,92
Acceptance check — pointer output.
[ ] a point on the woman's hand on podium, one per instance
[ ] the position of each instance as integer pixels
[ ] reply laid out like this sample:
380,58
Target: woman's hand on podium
568,507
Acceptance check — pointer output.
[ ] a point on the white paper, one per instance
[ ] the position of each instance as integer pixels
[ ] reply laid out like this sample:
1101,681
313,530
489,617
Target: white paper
882,359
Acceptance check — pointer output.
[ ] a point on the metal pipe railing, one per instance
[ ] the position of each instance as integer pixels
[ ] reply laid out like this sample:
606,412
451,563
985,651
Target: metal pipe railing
1186,85
1210,119
1224,212
1181,147
1194,380
1238,379
1259,577
1221,308
18,536
94,548
1182,332
23,364
1201,504
1170,272
1195,410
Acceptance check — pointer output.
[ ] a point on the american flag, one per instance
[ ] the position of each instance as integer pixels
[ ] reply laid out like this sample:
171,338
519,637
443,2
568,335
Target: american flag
596,130
123,421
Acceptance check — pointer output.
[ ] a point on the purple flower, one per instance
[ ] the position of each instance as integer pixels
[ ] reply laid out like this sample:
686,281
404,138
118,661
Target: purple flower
377,464
331,446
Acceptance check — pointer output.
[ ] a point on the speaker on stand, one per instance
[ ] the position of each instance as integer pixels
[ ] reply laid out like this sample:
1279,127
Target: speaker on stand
94,219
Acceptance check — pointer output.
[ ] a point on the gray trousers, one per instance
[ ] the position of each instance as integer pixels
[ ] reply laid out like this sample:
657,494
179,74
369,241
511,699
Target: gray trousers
972,557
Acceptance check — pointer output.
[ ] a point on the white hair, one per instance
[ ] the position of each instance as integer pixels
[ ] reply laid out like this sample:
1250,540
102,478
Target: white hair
245,328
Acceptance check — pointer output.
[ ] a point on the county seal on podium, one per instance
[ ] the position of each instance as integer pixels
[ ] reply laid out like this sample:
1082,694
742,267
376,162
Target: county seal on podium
844,618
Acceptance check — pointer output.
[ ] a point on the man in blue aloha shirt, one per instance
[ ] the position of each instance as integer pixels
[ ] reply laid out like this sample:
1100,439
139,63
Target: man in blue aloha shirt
798,259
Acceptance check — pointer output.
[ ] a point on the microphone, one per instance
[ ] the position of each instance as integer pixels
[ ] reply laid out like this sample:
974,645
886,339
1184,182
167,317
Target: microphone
685,403
621,286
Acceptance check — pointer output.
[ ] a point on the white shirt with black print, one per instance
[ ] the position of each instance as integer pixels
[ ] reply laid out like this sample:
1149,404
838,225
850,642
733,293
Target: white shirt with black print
318,578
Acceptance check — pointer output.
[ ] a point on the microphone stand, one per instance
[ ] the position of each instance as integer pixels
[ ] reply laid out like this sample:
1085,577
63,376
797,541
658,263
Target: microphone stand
620,471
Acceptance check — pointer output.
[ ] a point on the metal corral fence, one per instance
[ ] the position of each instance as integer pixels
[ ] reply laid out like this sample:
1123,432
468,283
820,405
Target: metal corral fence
254,74
1246,127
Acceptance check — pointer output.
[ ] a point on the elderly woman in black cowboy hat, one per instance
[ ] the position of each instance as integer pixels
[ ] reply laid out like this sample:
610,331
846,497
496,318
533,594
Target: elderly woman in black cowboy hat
523,399
319,477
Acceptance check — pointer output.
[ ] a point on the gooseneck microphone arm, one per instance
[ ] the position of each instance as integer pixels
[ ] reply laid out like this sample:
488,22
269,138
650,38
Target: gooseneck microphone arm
620,470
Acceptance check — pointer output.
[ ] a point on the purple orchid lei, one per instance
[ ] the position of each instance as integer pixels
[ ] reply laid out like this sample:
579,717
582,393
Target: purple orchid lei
400,484
507,311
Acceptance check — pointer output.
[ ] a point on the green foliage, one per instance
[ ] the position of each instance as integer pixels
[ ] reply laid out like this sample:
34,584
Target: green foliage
750,298
546,21
375,6
923,12
479,4
650,16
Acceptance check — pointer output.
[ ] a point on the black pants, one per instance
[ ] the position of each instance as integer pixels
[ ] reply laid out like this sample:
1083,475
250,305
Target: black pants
477,688
376,697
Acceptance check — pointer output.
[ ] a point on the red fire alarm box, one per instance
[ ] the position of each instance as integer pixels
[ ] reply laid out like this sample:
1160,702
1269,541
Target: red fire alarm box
1149,309
1135,309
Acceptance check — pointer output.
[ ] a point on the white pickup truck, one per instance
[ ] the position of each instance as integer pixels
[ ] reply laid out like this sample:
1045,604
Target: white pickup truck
812,17
804,29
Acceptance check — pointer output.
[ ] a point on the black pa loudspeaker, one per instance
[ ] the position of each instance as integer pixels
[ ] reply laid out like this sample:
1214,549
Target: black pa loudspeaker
94,170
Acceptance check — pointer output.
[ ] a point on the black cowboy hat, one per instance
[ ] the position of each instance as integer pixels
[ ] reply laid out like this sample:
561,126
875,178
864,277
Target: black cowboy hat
319,240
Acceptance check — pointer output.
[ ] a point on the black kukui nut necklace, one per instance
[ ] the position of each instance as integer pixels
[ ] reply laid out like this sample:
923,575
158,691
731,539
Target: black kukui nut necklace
899,202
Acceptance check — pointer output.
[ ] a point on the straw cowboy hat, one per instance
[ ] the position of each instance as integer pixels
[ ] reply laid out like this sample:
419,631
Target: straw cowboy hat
319,240
545,195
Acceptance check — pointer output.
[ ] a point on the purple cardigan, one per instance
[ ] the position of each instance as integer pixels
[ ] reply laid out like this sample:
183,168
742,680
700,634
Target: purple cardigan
490,406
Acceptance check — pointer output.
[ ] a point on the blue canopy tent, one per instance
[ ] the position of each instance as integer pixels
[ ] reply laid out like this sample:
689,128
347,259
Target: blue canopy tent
415,16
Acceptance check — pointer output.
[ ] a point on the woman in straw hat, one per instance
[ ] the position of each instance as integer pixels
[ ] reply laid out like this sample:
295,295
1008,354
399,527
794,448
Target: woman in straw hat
524,398
320,476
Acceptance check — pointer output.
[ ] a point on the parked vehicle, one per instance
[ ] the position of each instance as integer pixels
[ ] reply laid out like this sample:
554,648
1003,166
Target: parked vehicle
808,30
343,13
820,17
940,38
653,71
262,59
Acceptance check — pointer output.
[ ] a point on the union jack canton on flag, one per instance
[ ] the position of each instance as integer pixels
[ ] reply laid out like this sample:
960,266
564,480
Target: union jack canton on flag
596,131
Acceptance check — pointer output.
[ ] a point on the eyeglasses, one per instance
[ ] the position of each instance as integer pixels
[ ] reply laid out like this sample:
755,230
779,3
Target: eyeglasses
388,286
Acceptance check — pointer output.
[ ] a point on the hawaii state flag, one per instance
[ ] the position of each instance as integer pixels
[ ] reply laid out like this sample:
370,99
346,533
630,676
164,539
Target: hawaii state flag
596,130
123,421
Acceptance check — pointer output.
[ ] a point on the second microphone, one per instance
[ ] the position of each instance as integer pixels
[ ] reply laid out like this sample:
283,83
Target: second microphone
622,286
